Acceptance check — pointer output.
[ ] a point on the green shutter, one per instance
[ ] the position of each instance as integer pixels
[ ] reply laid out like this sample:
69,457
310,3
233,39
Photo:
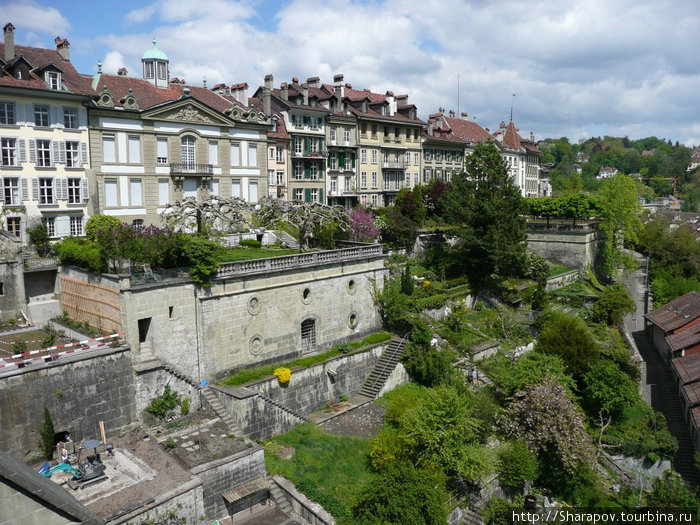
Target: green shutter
328,161
320,143
307,145
320,195
341,159
306,120
307,170
320,170
352,156
307,195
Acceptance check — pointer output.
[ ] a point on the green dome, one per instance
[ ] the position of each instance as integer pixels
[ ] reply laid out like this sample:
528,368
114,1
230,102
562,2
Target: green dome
154,53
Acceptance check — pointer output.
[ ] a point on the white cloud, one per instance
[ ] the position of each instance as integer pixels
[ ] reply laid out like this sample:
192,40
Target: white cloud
140,15
113,61
32,16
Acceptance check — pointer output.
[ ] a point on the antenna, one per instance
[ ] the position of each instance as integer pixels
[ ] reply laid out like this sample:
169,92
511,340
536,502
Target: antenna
512,101
457,94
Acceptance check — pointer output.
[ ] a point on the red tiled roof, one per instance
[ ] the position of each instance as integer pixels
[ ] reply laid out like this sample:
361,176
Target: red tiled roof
511,138
676,313
37,57
692,392
466,130
687,368
684,339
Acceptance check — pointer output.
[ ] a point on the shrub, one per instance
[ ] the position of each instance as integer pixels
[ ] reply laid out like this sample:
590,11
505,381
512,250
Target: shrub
18,347
164,406
185,403
516,465
80,252
250,243
39,237
98,223
613,305
283,374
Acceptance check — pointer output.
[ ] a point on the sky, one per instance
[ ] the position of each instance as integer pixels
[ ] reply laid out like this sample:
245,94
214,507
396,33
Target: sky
575,69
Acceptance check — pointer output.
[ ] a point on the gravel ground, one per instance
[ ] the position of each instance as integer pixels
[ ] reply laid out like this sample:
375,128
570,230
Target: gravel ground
364,421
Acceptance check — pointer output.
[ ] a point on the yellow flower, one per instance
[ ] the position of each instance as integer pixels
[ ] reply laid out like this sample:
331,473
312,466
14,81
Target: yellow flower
426,284
283,374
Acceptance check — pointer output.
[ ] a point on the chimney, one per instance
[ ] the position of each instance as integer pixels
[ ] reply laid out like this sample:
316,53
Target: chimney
392,102
9,41
464,116
267,90
295,80
305,92
314,82
122,72
63,48
452,113
284,91
532,137
348,85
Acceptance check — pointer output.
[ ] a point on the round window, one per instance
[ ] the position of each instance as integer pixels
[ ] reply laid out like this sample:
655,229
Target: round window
352,286
306,295
352,320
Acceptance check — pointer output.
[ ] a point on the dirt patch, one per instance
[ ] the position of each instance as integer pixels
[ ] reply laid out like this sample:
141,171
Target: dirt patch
364,421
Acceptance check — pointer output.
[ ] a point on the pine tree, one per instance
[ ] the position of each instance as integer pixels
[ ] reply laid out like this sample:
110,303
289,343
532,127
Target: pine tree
47,436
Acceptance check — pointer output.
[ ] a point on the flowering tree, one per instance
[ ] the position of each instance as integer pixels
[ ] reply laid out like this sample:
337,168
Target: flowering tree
192,214
362,225
304,217
547,419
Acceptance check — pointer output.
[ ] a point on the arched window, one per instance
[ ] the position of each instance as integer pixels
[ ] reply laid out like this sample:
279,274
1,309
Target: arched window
187,148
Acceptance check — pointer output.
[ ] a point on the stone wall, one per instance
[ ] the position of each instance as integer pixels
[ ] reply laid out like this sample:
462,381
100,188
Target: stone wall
151,380
561,280
12,298
78,391
576,248
183,504
227,473
311,511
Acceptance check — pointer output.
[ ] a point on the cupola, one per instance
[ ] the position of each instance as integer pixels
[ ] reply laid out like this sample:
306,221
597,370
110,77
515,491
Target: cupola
155,67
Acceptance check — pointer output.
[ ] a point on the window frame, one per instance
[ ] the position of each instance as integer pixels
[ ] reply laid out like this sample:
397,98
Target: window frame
42,116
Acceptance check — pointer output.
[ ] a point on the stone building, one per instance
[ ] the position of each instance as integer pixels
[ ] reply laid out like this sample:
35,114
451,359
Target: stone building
522,158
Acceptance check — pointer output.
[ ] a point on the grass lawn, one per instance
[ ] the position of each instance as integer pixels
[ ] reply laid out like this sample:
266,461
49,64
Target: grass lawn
329,469
244,254
558,269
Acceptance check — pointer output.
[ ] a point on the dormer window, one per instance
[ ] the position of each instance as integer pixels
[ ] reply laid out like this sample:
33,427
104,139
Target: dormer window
148,71
53,79
162,71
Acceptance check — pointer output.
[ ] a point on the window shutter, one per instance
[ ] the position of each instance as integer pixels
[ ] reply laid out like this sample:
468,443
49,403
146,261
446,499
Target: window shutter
320,170
320,195
307,170
62,189
328,161
83,153
306,120
307,195
320,143
62,151
84,190
56,152
352,157
35,190
25,190
32,151
53,115
2,180
82,114
307,145
21,150
341,159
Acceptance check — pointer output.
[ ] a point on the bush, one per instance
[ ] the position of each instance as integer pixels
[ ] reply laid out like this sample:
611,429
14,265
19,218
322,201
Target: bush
516,464
611,307
39,237
80,252
164,406
98,223
250,243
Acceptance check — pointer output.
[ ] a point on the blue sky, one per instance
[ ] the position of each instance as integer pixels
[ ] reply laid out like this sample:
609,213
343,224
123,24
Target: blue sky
578,69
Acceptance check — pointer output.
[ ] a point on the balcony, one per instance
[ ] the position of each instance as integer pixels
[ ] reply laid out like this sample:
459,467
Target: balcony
180,170
310,154
396,164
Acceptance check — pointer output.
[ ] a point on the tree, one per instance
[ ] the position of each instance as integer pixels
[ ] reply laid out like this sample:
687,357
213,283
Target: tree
100,222
618,221
403,495
511,377
424,363
204,215
611,307
362,225
304,217
608,390
39,237
516,464
670,491
568,337
549,421
47,434
485,209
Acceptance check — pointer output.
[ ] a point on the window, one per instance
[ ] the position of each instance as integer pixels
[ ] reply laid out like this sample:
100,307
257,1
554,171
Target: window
408,180
46,192
333,161
363,156
280,178
363,129
148,70
236,188
111,195
438,155
298,145
187,152
162,150
41,115
363,179
374,179
214,188
43,153
374,131
408,158
298,170
53,79
426,175
74,185
12,196
72,154
137,224
313,171
161,71
346,134
108,150
298,194
213,152
314,195
252,154
7,113
134,149
374,199
163,192
70,118
189,188
76,226
333,133
279,154
313,145
270,177
135,191
8,152
235,154
50,223
416,159
374,156
14,226
253,191
334,184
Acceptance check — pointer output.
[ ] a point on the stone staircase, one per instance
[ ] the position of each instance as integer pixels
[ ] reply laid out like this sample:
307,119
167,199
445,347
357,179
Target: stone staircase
278,497
287,239
282,407
219,410
665,398
471,517
383,369
182,376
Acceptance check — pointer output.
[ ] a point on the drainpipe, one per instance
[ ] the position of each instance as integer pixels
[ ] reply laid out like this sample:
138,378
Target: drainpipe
197,320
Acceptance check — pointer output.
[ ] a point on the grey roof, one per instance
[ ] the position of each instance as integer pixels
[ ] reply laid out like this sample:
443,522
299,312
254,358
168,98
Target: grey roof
43,489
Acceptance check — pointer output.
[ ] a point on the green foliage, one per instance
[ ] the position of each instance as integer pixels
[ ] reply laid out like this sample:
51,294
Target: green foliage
39,237
568,337
47,433
670,491
611,307
164,406
170,443
250,243
499,511
395,306
641,432
74,251
516,464
185,403
19,347
407,281
511,377
484,208
424,363
607,390
98,223
402,495
202,255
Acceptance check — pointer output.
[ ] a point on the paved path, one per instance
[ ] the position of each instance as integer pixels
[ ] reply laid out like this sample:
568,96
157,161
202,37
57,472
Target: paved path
658,387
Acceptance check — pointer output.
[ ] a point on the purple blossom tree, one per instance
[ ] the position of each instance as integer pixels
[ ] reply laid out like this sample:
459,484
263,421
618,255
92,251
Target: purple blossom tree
362,225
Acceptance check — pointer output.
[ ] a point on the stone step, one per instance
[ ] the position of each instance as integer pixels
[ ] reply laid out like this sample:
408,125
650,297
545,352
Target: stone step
277,495
383,369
